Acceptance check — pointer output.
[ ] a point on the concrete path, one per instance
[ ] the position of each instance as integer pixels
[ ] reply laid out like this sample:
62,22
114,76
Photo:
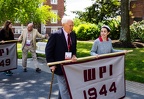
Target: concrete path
32,85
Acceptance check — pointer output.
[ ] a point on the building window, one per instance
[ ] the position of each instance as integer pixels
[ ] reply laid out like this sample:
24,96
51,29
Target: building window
54,20
53,29
53,1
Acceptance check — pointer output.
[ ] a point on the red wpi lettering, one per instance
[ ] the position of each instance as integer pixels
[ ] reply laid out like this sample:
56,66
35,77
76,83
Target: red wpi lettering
7,51
90,74
102,70
1,52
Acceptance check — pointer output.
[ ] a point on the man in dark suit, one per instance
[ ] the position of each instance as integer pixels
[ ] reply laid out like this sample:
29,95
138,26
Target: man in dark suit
60,46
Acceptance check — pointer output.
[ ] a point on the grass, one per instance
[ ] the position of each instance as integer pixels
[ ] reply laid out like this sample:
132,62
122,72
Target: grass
134,61
134,67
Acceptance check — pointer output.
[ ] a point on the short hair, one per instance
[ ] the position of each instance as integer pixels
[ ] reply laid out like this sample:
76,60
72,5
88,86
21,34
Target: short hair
65,19
30,24
107,27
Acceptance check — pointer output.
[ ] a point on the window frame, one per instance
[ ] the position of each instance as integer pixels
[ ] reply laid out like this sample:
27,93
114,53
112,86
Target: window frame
54,20
54,1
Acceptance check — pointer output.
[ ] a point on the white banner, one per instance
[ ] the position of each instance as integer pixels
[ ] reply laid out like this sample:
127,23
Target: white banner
96,79
8,56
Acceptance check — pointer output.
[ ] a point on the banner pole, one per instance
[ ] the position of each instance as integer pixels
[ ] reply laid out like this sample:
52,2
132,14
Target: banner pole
51,85
9,41
88,58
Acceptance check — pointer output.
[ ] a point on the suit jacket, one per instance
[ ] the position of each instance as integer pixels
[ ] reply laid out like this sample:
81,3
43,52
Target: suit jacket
35,33
57,46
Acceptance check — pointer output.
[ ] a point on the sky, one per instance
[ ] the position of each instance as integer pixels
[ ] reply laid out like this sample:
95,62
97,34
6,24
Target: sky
76,5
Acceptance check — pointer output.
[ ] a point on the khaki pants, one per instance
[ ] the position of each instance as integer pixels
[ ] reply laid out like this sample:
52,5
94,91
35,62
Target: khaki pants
24,56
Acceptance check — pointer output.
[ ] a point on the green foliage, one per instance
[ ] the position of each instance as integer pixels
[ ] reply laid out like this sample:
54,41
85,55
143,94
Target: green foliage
99,11
137,30
47,14
77,22
25,11
87,31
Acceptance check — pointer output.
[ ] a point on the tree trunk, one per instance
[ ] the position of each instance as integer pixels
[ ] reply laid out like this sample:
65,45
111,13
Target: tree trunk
37,26
125,30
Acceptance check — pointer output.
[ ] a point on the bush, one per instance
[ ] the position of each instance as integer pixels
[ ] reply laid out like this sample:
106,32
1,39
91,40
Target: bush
87,31
77,22
137,31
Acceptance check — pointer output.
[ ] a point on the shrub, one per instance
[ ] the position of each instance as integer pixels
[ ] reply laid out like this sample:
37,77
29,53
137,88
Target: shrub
137,30
77,22
87,31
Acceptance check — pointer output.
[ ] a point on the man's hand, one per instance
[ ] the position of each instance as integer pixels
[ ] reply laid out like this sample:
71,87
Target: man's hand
74,58
96,55
46,35
125,51
53,68
2,41
19,39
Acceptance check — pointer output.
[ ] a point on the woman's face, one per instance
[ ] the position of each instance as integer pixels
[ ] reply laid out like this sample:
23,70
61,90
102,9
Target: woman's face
10,25
104,33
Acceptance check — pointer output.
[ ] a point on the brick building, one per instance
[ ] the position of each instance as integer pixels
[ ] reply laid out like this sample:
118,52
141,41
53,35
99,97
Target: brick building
57,8
54,24
137,9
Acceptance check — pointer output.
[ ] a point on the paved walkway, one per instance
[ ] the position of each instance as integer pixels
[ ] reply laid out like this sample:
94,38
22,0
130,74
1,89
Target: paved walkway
32,85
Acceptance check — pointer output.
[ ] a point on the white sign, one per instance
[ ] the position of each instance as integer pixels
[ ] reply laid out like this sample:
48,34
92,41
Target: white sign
96,79
8,56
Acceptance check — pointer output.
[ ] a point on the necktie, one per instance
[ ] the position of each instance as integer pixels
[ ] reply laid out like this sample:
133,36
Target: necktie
69,42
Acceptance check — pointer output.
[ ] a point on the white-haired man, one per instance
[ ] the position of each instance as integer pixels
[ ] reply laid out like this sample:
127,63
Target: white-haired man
28,38
60,46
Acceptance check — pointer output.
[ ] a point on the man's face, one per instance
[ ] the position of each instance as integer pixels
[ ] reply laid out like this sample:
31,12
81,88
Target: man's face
30,28
68,27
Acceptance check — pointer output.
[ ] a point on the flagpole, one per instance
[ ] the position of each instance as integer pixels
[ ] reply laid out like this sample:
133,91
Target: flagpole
89,58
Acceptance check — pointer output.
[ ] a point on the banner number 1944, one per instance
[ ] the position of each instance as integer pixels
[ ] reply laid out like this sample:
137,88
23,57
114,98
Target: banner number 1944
92,92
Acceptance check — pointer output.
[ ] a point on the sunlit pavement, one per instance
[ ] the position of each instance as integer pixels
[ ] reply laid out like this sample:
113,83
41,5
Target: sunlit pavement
33,85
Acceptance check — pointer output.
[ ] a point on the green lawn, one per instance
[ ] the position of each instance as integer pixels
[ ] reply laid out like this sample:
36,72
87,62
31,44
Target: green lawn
134,68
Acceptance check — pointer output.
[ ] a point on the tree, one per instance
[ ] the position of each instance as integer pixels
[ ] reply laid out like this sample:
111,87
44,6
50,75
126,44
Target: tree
125,30
100,10
25,11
